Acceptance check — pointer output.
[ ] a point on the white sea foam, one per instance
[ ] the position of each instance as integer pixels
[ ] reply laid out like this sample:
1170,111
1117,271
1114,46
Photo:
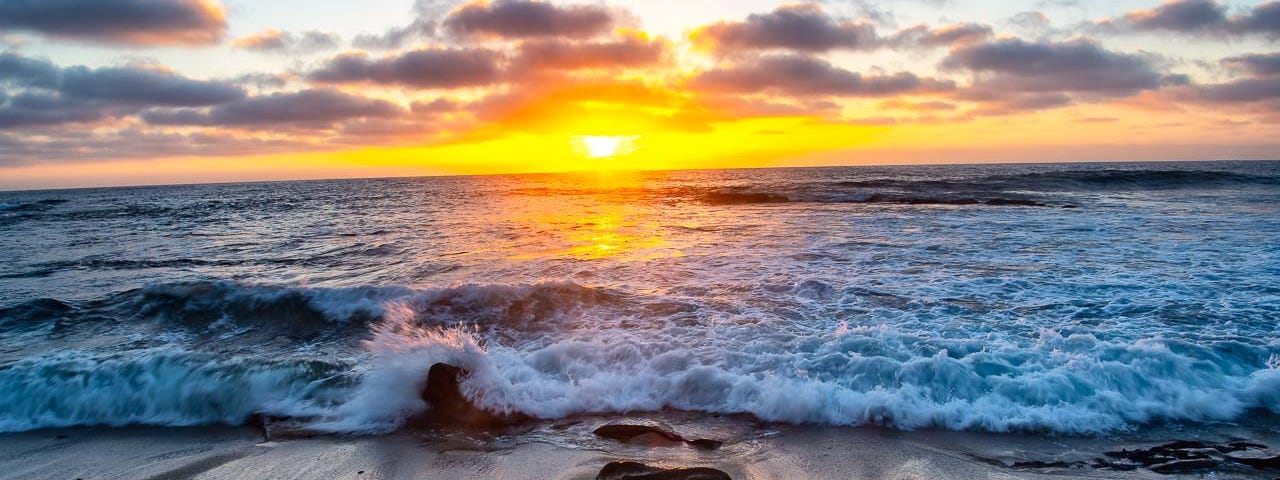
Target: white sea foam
155,387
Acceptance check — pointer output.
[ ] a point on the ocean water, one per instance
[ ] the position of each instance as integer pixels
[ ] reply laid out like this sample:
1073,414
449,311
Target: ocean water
1072,299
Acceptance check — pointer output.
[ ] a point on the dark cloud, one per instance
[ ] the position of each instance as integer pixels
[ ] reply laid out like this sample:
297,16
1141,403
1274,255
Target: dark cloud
1264,19
276,41
426,68
1179,15
1198,17
24,71
799,27
45,94
1245,90
1256,64
798,75
630,51
314,107
36,108
130,22
529,19
67,145
1078,66
946,36
144,86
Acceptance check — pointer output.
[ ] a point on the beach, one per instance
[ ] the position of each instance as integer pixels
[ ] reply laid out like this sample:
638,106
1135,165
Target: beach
554,451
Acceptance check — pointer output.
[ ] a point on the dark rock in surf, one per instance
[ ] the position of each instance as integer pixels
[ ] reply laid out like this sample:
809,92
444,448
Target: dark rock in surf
651,436
1040,464
279,428
640,471
1013,202
447,407
1186,466
1185,456
1256,462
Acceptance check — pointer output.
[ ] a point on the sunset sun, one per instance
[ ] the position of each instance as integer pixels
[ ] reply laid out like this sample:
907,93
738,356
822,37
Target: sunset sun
605,146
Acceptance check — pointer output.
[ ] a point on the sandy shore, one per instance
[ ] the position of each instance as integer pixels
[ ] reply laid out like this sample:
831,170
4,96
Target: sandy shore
560,450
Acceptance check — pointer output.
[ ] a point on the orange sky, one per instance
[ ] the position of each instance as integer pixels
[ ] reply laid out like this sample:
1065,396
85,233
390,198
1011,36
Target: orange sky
527,86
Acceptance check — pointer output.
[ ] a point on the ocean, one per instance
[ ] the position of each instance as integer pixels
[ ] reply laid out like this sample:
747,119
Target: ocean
1072,299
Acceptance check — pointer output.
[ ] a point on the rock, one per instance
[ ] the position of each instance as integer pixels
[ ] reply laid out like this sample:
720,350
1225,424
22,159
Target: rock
1014,202
705,444
640,471
1256,462
279,428
1167,453
1044,464
651,436
1185,466
1239,446
446,406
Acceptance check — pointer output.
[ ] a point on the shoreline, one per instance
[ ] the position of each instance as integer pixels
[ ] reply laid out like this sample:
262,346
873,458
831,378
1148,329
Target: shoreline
566,449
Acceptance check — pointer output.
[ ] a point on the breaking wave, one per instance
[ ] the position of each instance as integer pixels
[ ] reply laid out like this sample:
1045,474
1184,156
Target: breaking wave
556,349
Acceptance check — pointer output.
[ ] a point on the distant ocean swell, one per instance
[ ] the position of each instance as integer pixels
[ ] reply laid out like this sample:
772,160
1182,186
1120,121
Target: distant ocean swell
558,349
994,190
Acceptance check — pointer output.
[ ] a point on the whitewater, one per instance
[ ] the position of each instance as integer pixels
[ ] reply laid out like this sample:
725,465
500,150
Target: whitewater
1073,299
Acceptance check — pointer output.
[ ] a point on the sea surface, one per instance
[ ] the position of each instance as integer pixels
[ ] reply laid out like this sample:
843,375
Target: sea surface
1065,299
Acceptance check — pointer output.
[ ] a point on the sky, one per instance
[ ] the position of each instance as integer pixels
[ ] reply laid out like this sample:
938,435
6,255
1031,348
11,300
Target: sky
130,92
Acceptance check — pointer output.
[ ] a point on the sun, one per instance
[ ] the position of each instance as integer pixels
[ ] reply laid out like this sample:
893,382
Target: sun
605,146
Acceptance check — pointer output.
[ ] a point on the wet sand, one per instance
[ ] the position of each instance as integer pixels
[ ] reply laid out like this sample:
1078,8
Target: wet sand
556,450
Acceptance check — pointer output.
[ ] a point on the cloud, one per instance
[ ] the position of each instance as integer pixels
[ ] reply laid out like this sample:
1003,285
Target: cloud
37,108
24,71
945,36
126,22
1256,64
625,52
799,75
1243,90
314,107
45,94
145,86
397,36
529,19
1077,66
1198,17
276,41
424,68
1179,15
142,85
800,27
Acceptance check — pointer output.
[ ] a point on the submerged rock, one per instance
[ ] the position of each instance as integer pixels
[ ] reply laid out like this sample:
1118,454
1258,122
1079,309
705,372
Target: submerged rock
640,471
652,436
1190,456
446,406
1256,462
1186,466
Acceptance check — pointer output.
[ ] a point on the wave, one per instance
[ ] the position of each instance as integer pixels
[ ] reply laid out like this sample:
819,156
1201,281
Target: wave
29,206
1069,385
558,349
1069,180
160,387
724,198
198,305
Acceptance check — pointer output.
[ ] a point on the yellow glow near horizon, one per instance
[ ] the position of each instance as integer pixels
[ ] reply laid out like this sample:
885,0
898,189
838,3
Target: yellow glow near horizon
605,146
